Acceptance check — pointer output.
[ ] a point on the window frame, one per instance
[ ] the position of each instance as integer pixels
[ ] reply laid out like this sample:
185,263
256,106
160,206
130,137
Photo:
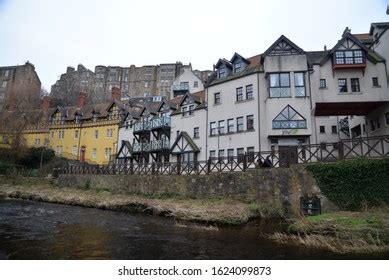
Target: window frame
249,94
230,124
217,98
299,86
196,132
324,84
239,126
279,85
212,128
375,82
239,94
355,87
221,127
340,57
345,86
251,119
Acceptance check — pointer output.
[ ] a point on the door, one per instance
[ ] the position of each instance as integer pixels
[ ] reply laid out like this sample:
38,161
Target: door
82,157
288,155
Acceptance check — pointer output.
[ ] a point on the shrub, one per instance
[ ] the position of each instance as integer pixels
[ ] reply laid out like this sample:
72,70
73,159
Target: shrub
352,184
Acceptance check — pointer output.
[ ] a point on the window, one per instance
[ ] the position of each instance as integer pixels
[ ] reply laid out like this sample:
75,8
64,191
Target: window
239,94
212,127
108,152
96,134
349,57
279,85
6,73
212,154
250,154
355,85
230,125
387,118
372,125
221,127
375,82
4,84
299,84
323,83
52,134
191,110
187,158
185,111
221,154
230,154
222,72
217,98
249,92
74,150
37,142
195,84
250,122
342,85
61,134
109,132
237,67
322,129
196,133
239,124
177,133
289,118
334,129
240,154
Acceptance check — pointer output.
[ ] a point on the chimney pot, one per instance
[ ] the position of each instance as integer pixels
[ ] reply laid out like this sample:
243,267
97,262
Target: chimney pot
115,92
81,100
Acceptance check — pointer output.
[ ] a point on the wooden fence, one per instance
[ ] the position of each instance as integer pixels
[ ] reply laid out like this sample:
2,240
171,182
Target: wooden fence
373,147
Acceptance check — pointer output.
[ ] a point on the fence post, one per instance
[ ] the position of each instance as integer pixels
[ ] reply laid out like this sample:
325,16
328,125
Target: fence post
179,167
340,150
153,168
209,161
245,161
132,168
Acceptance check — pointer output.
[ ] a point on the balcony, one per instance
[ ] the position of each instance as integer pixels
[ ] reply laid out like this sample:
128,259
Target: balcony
160,145
141,147
184,87
160,123
142,127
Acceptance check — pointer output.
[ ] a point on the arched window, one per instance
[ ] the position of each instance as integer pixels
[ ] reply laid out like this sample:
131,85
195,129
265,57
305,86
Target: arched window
289,118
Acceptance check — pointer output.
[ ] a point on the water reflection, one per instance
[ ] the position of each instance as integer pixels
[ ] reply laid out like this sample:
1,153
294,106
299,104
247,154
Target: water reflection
34,230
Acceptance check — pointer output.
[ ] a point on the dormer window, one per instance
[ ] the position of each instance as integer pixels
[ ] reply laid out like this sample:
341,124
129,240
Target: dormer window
109,116
94,118
78,118
349,57
222,72
237,67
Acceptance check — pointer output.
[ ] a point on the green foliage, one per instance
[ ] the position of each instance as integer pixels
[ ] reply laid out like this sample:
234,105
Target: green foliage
29,158
354,184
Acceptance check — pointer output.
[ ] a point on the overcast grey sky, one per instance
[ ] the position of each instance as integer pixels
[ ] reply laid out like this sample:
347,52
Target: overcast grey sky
55,34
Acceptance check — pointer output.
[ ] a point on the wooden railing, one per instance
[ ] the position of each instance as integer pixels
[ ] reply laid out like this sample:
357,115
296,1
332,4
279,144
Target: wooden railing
373,147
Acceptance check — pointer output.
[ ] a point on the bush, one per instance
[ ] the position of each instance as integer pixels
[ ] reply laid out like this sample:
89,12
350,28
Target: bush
29,158
353,184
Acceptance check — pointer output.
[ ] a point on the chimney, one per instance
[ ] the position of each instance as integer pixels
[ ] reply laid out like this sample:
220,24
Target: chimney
325,47
81,100
46,103
115,93
346,31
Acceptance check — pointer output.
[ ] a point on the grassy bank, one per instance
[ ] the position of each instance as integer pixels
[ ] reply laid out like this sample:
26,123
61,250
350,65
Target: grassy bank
341,232
209,211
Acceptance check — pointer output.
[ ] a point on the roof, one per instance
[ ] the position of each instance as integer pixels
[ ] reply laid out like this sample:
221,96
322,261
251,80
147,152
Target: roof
379,25
253,67
236,55
223,61
191,143
282,38
364,38
316,57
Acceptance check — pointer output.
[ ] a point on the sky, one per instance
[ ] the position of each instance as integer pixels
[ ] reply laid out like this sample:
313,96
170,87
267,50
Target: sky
55,34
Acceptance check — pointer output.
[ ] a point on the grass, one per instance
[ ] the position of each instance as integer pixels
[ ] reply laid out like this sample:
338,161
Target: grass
341,232
213,211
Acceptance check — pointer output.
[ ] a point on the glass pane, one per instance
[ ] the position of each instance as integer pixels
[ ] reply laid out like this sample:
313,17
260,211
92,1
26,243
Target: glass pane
284,79
298,79
274,80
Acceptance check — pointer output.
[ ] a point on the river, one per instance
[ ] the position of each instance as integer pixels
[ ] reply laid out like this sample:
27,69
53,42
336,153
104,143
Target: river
38,230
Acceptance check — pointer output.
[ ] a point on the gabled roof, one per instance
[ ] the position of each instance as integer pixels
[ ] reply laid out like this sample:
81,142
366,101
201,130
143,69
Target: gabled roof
370,54
224,62
125,145
283,44
378,24
189,140
236,55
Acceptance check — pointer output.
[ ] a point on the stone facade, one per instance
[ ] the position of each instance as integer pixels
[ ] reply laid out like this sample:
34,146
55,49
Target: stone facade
19,87
278,188
133,81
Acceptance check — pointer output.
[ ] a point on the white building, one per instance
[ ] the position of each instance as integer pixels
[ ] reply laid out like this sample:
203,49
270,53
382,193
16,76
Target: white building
186,82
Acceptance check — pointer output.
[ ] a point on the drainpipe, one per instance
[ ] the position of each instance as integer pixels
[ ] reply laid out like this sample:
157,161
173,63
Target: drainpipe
259,119
206,127
79,141
311,102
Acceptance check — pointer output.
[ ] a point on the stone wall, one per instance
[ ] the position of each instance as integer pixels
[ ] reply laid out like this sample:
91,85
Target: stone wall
277,187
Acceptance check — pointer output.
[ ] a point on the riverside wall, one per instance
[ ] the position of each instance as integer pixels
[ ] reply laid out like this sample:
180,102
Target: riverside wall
276,187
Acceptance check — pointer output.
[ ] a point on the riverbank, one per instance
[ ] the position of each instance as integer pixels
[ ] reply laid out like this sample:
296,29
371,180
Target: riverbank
341,232
205,211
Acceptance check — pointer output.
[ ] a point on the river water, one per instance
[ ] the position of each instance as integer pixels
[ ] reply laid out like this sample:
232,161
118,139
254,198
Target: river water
38,230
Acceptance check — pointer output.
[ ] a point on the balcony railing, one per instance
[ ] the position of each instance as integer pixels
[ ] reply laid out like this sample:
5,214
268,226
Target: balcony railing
141,147
159,145
160,122
142,126
182,87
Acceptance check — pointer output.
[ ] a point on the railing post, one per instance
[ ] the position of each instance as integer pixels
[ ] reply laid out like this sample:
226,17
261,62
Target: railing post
153,168
341,150
245,161
209,161
132,168
179,166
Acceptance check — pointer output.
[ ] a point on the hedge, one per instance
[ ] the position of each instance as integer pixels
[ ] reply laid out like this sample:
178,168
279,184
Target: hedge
29,157
353,184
